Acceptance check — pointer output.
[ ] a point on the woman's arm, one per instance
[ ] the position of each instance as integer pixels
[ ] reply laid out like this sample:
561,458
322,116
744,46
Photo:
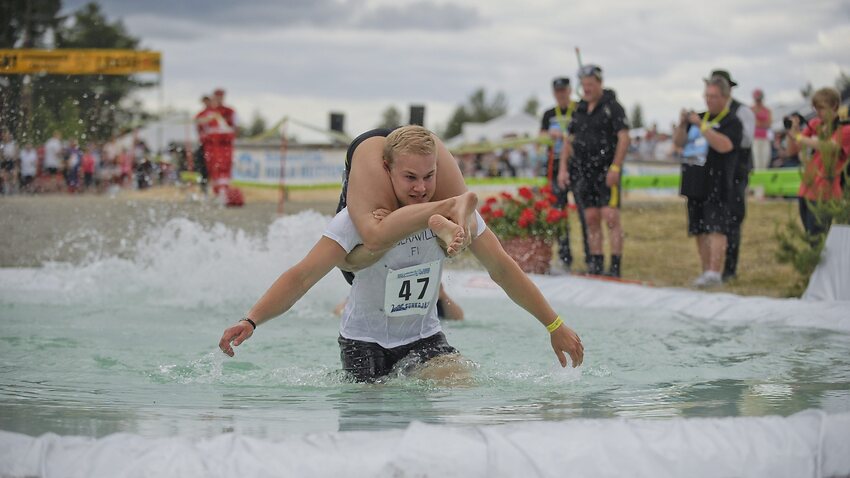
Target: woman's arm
507,274
286,291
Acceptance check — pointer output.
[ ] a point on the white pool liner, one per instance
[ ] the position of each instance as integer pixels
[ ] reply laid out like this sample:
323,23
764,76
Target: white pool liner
566,291
831,278
807,444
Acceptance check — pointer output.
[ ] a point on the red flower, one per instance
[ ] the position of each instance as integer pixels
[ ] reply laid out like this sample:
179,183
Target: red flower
526,192
499,213
507,196
491,200
546,189
541,205
486,209
523,222
554,216
552,198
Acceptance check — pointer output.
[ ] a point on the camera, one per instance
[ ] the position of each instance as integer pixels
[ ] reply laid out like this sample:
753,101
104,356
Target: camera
786,121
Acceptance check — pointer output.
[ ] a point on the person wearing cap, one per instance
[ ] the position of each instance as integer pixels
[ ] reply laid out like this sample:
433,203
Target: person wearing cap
597,142
761,142
740,180
711,141
554,127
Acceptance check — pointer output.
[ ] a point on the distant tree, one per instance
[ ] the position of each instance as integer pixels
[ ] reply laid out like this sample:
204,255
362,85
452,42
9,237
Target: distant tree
46,100
258,125
390,118
637,116
531,106
807,91
477,109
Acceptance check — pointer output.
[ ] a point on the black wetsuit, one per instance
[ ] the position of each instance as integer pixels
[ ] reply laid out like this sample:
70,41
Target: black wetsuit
349,155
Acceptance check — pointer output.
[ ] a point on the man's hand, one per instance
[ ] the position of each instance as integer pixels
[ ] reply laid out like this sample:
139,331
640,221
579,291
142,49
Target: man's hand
612,178
694,118
563,178
236,334
564,339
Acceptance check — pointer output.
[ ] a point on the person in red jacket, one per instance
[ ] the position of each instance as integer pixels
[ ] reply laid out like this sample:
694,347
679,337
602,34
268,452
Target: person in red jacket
219,133
824,175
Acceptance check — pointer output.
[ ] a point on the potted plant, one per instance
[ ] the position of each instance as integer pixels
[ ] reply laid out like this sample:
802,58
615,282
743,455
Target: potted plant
526,224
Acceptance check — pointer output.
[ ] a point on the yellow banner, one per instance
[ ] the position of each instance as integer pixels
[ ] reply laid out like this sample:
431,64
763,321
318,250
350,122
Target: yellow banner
78,62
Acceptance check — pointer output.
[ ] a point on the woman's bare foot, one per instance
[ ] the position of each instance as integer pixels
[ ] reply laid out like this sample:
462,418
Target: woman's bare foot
463,208
449,233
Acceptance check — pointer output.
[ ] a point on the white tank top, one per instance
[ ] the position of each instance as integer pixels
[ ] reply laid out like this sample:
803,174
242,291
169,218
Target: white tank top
393,302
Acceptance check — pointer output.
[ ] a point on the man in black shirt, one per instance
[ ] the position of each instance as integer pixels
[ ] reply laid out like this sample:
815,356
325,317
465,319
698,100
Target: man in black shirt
597,144
554,126
707,180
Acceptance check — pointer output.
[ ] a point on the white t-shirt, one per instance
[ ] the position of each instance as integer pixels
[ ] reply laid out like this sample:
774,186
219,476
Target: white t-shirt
393,302
52,153
10,150
29,162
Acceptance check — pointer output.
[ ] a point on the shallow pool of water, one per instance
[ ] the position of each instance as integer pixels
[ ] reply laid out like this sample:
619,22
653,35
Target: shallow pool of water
130,345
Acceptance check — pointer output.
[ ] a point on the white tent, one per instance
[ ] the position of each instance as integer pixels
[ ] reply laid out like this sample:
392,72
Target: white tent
517,125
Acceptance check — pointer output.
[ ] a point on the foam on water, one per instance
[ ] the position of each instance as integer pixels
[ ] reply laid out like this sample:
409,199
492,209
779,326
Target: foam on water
179,263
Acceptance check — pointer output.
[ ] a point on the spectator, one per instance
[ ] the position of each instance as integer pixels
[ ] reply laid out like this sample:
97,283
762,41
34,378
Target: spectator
88,164
784,157
53,154
8,163
29,166
823,177
711,143
740,180
761,143
554,125
202,124
598,141
72,166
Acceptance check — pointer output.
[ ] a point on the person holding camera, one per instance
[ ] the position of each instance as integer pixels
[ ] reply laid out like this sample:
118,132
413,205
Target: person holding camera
825,173
711,142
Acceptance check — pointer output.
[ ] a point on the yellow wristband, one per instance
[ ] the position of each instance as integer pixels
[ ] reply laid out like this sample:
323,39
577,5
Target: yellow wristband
615,168
798,137
555,324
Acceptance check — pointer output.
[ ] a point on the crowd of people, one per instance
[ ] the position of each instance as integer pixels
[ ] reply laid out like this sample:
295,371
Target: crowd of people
718,149
61,164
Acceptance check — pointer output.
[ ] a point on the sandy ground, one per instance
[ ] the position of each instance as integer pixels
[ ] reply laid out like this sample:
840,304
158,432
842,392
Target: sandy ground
36,229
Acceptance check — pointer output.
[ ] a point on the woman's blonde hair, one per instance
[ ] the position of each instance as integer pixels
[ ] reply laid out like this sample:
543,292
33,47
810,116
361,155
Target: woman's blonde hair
413,139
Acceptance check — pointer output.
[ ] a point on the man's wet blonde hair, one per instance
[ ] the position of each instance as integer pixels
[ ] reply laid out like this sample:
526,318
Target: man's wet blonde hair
413,139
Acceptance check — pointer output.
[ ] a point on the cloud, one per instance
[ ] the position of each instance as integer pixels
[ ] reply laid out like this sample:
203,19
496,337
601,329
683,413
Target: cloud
212,17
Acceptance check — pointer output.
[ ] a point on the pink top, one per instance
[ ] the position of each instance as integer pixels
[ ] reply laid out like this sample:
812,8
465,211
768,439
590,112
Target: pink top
762,121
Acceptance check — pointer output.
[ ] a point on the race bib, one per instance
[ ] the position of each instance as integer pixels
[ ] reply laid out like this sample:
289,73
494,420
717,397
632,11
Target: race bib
412,290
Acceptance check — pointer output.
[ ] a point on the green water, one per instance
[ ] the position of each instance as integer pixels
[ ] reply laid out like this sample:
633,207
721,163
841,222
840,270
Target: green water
93,370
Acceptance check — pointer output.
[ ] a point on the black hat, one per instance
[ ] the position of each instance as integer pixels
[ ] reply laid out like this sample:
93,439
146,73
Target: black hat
723,74
560,82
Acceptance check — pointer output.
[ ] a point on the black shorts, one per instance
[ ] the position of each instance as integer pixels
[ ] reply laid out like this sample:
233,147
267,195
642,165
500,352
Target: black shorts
8,165
706,216
590,190
368,361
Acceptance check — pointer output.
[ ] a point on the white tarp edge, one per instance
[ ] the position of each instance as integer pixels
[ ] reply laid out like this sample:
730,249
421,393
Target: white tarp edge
807,444
831,279
568,291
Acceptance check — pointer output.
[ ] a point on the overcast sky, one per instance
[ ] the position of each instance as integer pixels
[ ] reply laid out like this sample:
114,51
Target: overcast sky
304,58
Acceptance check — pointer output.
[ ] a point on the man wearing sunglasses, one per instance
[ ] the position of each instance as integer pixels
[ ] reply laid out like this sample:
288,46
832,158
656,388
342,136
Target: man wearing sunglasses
597,142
